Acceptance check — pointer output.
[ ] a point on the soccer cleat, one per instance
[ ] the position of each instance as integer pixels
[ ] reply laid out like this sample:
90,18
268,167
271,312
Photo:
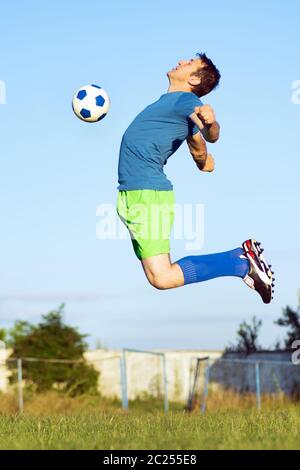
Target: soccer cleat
260,276
253,245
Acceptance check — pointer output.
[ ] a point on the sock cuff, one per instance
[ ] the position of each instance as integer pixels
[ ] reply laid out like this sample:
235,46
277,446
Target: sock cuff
189,270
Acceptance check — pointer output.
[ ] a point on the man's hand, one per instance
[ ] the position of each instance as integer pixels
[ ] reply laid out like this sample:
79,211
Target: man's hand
205,118
209,164
206,114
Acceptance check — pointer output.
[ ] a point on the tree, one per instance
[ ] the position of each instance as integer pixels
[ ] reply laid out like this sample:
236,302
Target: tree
2,334
52,339
20,330
290,319
247,337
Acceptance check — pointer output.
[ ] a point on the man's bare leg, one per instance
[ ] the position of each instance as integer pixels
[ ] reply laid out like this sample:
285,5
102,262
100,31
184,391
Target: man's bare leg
161,273
245,262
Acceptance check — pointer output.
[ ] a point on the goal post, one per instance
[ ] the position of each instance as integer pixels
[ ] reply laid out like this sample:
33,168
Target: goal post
195,385
124,375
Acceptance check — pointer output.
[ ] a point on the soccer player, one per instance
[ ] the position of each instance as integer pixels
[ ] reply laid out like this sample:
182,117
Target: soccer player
153,136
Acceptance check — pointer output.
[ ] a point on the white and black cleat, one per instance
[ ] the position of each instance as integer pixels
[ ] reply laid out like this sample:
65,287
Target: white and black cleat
253,245
260,276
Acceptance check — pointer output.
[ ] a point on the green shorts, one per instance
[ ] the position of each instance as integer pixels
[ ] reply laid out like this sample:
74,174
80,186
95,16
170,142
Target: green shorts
149,215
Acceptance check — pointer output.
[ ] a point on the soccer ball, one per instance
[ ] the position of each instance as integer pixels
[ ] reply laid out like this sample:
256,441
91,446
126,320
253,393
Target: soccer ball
91,103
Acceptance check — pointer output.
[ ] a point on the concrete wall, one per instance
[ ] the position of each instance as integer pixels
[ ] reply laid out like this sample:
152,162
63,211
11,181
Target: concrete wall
144,372
276,372
4,374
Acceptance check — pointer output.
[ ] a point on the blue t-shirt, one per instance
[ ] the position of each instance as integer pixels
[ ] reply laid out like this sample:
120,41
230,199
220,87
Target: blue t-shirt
152,137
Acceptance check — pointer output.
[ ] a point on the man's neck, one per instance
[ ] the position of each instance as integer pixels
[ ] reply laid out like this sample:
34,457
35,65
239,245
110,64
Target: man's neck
178,87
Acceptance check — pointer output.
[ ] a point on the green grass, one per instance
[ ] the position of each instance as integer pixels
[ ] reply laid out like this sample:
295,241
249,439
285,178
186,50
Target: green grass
225,430
54,422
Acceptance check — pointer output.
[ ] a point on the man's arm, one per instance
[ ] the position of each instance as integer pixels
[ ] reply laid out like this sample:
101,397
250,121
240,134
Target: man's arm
211,132
204,116
198,150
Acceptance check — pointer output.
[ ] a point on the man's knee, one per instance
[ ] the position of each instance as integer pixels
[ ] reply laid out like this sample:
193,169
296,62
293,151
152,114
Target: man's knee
158,281
159,271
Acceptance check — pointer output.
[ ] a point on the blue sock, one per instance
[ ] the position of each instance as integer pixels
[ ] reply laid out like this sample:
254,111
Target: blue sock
204,267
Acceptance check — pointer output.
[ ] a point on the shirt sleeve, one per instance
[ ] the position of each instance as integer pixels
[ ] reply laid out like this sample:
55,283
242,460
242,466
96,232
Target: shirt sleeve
185,107
193,128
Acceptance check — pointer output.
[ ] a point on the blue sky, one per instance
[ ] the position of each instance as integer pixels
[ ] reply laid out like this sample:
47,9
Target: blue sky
55,169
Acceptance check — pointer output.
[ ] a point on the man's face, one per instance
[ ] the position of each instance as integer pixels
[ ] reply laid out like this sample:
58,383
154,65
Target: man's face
185,68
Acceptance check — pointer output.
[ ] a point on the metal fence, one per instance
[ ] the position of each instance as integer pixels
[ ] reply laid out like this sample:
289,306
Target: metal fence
127,373
259,377
122,361
19,362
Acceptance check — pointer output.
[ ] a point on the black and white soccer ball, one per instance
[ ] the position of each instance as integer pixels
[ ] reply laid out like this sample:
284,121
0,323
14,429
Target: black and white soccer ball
91,103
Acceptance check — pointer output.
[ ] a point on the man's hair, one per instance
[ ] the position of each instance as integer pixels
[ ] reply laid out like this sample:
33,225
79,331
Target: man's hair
209,75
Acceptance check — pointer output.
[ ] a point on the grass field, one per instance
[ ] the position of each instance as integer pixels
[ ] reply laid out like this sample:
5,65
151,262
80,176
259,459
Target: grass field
54,422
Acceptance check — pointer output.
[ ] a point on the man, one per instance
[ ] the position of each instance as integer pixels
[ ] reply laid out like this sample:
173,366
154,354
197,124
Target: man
154,135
